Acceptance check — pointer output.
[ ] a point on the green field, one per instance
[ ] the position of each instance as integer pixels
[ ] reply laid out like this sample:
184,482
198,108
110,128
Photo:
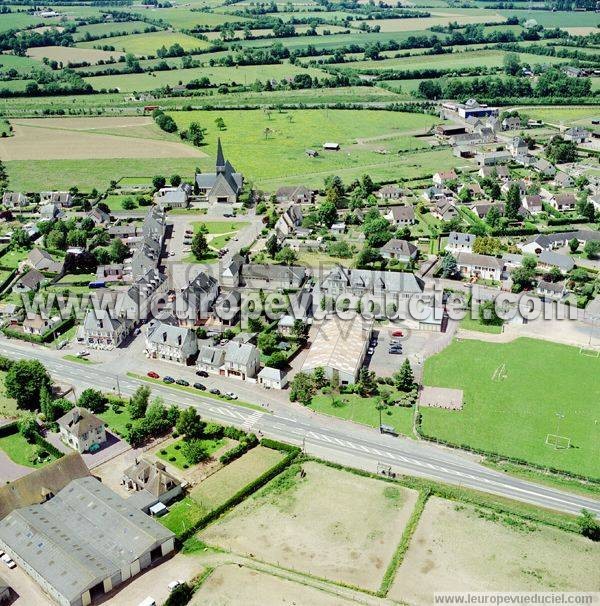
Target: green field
117,421
566,115
183,18
514,416
251,149
105,29
469,323
13,258
18,21
148,43
362,410
245,75
557,18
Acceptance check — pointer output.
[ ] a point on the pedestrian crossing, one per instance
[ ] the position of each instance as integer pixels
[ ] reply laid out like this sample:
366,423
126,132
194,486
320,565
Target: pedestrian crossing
251,420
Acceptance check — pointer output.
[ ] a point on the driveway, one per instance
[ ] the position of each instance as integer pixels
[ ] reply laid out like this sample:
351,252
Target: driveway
9,470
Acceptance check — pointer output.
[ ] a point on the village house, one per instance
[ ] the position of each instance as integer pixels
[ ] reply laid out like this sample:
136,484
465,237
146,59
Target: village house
289,221
173,197
507,185
81,429
50,212
517,146
562,180
224,185
511,123
474,266
481,209
272,378
262,276
100,330
554,291
576,134
389,191
295,194
172,343
460,242
493,158
399,215
242,360
152,480
29,282
444,210
14,200
42,260
195,302
148,250
59,198
38,325
544,168
532,204
113,272
492,172
443,177
124,232
549,259
400,250
99,217
563,201
210,359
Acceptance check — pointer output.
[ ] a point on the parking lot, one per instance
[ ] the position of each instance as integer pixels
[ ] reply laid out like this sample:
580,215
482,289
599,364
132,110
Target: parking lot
415,346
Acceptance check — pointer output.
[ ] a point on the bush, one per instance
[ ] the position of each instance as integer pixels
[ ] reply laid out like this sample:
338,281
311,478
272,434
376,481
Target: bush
233,433
163,451
175,433
172,458
177,447
213,431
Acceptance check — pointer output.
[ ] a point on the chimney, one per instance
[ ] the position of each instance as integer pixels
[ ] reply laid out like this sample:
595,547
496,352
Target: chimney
165,336
179,339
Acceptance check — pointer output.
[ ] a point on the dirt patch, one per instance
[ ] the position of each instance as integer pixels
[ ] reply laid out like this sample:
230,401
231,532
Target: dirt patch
223,587
331,523
67,54
459,548
83,138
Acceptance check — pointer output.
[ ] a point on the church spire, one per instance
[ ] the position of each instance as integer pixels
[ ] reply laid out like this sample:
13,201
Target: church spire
220,158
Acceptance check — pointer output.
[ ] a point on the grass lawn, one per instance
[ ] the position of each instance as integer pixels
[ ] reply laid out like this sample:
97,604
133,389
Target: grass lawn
514,416
115,202
219,227
469,323
117,421
19,450
173,453
12,258
182,515
77,359
222,485
362,410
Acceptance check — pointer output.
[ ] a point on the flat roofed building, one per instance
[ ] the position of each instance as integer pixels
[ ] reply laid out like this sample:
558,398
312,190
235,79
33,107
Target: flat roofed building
339,347
83,542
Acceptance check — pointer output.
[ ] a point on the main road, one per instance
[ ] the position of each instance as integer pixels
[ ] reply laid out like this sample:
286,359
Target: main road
332,439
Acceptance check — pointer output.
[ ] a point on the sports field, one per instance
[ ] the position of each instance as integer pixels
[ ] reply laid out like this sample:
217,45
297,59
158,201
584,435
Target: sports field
513,393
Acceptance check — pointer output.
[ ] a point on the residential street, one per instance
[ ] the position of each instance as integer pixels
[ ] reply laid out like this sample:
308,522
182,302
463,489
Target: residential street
326,437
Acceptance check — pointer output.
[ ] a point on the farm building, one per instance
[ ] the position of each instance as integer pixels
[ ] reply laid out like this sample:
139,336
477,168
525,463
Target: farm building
52,541
339,347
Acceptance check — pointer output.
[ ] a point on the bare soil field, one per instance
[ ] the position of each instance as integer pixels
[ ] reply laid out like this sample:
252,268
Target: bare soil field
331,523
459,548
90,138
223,587
71,54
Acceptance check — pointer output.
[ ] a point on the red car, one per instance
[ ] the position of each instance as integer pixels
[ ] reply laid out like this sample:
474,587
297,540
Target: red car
397,333
153,375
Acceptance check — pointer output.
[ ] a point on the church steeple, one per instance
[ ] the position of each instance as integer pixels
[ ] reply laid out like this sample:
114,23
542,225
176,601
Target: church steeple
220,157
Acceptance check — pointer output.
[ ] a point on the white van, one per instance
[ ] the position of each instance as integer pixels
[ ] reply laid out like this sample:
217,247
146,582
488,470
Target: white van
148,602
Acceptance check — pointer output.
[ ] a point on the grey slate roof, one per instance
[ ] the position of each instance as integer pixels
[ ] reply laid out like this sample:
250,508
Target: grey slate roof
564,262
457,238
81,536
79,421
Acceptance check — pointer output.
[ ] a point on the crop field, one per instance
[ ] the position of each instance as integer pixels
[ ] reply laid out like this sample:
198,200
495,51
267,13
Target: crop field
556,115
90,138
217,75
562,19
447,553
330,523
18,21
223,587
21,64
513,415
460,59
437,18
252,138
104,29
183,18
66,54
148,44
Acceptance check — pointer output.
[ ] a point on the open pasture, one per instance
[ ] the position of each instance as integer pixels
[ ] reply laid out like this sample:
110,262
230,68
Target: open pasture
514,414
148,43
331,523
106,29
253,138
71,54
82,138
447,553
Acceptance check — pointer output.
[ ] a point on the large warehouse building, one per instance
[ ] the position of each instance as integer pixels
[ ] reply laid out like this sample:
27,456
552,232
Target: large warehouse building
339,347
83,541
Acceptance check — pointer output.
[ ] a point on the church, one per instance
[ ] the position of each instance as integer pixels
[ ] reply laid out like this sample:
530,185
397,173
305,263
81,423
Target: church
224,185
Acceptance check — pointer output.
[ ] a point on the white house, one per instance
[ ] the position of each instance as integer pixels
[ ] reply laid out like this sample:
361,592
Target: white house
472,265
444,176
272,378
242,360
173,343
81,429
459,242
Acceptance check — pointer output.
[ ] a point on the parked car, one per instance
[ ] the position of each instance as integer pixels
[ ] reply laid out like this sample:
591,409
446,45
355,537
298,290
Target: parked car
83,353
153,375
8,561
397,333
370,351
388,429
201,373
215,391
395,351
182,382
168,379
200,386
231,395
174,584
